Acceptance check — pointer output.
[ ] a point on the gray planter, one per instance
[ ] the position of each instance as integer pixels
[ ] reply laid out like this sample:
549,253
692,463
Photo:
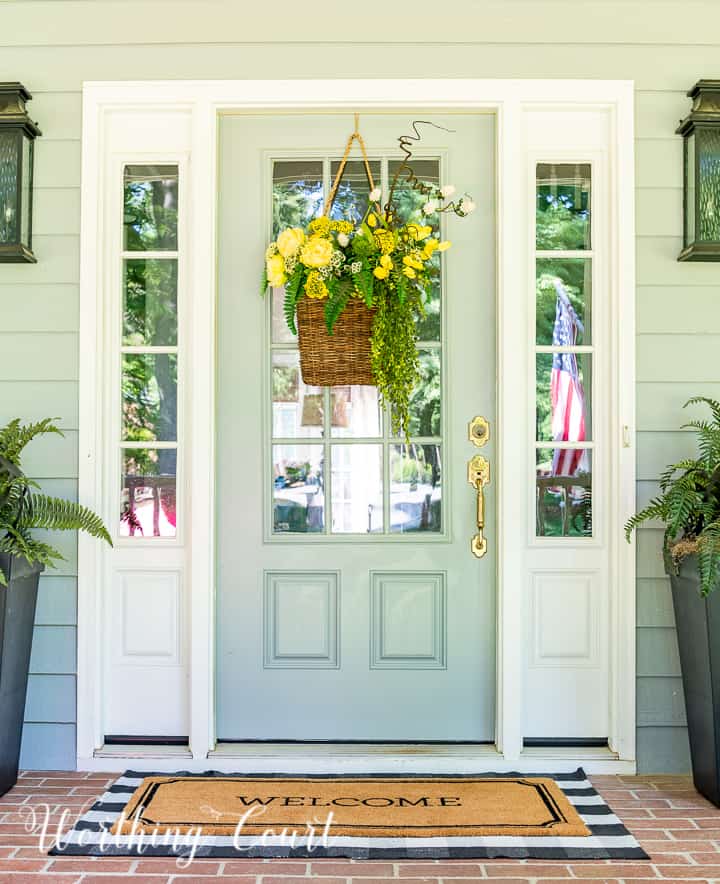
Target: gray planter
698,630
17,615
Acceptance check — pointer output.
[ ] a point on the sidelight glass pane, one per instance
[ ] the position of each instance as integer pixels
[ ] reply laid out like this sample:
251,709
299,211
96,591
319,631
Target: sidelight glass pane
425,405
150,303
9,144
296,408
149,397
563,397
415,489
298,489
151,208
149,493
351,199
708,147
27,193
564,492
357,498
563,296
562,211
297,192
355,412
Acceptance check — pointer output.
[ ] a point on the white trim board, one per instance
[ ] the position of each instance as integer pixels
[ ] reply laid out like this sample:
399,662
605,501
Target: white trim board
194,106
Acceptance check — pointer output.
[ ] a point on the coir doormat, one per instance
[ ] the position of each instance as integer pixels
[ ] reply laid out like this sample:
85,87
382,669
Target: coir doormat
235,815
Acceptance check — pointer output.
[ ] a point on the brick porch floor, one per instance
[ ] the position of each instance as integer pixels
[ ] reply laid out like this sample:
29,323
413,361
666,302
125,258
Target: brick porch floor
678,828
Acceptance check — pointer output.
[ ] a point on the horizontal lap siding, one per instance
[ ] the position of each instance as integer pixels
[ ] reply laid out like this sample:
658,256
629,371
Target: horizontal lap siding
678,306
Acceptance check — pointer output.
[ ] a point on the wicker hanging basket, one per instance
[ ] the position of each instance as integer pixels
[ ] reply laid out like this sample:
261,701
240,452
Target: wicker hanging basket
340,359
343,358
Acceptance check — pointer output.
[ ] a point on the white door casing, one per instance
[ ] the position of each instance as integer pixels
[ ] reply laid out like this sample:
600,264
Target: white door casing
177,122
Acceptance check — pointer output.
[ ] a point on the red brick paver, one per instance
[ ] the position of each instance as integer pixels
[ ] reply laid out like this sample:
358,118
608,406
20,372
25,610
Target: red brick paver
679,830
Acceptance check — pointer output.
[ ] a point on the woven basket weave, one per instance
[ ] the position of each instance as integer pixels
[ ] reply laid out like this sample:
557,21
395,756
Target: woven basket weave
342,358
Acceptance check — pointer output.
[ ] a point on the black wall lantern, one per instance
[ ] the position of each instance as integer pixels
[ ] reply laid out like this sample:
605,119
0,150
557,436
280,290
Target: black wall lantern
701,135
17,137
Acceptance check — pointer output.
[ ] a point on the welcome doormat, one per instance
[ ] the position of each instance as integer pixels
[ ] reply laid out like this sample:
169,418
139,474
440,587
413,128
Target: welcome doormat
235,815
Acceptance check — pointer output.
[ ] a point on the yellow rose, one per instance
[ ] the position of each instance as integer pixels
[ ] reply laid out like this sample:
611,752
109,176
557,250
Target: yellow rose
289,241
316,252
275,266
381,272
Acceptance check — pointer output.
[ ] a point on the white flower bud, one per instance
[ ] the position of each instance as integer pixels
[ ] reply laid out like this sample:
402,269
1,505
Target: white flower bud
343,239
468,206
375,194
448,190
429,207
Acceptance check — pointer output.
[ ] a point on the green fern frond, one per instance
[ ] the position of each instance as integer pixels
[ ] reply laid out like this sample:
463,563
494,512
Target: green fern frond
712,404
56,514
709,557
15,436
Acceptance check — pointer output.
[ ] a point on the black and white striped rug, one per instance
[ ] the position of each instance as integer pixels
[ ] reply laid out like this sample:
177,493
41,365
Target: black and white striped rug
608,839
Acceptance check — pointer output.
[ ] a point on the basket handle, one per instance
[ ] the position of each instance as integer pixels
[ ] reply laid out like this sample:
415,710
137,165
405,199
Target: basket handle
356,136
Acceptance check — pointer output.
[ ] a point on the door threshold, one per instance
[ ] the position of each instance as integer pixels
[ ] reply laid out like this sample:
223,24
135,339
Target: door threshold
142,750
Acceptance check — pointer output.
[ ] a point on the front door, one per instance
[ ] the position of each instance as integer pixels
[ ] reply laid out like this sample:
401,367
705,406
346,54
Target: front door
349,603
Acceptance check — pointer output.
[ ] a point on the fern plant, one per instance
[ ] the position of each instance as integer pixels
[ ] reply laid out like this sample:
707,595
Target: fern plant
689,504
23,509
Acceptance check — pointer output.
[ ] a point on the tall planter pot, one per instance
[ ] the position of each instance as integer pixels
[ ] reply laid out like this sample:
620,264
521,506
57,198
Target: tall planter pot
698,630
17,616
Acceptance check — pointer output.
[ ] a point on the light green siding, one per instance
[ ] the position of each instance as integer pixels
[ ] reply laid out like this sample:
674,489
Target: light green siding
53,47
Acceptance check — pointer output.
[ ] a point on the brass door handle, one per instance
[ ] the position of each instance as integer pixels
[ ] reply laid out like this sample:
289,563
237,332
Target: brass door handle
479,477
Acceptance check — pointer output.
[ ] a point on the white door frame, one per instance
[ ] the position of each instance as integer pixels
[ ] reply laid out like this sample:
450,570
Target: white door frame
510,100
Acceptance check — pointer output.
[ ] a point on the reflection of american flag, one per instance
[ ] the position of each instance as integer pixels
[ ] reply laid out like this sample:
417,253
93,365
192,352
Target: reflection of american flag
566,391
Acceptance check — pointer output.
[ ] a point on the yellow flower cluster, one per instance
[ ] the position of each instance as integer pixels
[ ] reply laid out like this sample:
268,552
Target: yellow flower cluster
385,240
314,286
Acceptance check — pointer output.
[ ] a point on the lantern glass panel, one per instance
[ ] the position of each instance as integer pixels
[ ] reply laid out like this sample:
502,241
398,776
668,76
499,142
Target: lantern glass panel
708,146
690,195
9,159
26,195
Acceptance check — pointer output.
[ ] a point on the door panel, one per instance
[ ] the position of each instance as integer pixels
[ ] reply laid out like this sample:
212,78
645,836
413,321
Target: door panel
349,604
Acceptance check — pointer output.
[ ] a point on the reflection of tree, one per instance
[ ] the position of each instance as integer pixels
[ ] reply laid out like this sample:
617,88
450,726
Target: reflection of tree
285,383
425,400
295,203
150,210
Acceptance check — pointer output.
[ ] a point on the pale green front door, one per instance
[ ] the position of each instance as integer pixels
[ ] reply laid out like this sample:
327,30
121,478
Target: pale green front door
349,604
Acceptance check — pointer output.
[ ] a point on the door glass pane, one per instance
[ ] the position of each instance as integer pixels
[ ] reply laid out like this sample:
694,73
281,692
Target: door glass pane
564,492
563,397
355,412
297,409
351,199
9,143
150,303
27,194
297,192
281,334
151,208
298,489
149,397
149,498
564,301
416,489
562,216
357,498
425,406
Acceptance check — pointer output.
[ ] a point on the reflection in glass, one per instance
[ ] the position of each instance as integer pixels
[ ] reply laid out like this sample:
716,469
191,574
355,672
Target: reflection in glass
150,303
564,492
415,488
148,496
298,489
409,203
296,408
357,498
149,397
425,404
562,211
151,208
8,186
297,192
28,147
351,199
355,412
563,301
281,334
563,397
